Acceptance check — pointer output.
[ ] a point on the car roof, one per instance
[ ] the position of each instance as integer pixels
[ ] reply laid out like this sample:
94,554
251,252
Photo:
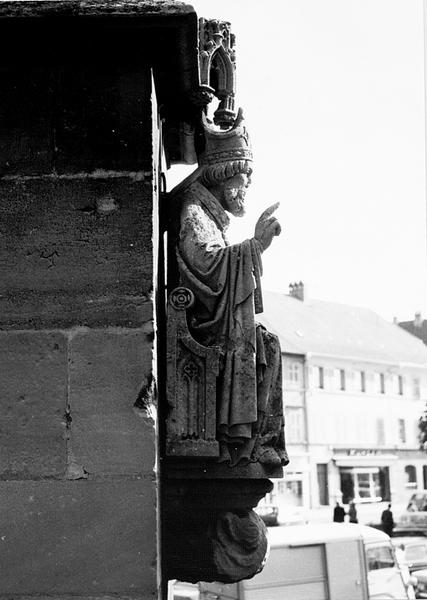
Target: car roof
303,535
408,539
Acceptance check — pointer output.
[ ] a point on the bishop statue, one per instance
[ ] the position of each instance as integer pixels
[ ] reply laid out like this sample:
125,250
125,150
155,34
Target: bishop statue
226,282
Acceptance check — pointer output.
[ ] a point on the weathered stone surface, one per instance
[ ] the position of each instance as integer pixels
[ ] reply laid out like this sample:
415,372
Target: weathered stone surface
107,371
103,120
75,252
78,116
71,8
33,398
26,126
84,538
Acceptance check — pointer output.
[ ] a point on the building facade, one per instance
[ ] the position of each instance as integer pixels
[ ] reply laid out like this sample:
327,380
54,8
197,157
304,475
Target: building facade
355,387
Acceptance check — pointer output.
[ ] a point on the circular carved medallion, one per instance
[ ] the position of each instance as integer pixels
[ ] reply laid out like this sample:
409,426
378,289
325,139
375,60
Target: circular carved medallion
181,297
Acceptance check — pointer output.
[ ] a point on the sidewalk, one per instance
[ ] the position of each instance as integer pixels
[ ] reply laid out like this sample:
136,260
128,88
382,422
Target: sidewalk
367,513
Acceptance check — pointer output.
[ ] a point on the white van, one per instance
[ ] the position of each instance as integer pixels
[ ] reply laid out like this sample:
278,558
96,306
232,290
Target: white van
336,561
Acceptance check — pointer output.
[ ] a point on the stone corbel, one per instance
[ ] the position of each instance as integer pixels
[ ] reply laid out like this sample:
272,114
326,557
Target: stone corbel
212,533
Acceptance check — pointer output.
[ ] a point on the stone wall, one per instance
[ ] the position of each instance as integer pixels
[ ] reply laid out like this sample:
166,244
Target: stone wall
77,433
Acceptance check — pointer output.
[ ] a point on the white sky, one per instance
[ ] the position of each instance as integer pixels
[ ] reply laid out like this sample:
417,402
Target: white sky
333,95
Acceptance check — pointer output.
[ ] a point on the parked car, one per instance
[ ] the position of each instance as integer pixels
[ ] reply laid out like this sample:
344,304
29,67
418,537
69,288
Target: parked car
269,513
180,590
421,585
315,562
414,519
414,550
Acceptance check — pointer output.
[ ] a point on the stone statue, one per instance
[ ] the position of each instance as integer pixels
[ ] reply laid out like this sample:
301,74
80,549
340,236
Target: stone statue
225,280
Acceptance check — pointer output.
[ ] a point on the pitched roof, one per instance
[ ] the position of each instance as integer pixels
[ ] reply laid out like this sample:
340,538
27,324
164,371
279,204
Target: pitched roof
420,332
329,328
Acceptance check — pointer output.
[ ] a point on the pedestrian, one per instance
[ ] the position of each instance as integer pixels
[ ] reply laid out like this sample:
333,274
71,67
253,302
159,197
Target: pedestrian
339,513
387,521
352,512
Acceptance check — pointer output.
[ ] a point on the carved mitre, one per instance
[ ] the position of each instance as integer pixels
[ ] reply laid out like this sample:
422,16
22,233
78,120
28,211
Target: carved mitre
224,146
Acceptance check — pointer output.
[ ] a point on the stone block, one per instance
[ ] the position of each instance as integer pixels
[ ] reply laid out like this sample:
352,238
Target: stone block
33,399
76,113
75,252
104,121
107,371
26,125
80,538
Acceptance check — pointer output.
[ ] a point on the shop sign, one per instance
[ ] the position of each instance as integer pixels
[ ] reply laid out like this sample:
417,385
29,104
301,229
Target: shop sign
358,452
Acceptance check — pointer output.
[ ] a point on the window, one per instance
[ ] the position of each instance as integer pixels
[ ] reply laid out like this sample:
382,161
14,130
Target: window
292,371
362,484
362,381
379,557
290,489
339,379
401,430
295,430
293,374
416,391
342,379
380,432
320,377
411,476
400,385
380,383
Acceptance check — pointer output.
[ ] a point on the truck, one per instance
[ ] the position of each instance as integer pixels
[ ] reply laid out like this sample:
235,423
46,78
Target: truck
334,561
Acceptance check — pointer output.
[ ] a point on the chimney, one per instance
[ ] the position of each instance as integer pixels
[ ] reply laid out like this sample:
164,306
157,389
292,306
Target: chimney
395,321
296,290
418,321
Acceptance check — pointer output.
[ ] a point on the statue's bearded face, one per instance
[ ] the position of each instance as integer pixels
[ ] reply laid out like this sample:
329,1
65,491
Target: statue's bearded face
233,194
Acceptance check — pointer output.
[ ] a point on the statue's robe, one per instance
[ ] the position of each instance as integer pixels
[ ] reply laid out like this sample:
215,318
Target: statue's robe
222,278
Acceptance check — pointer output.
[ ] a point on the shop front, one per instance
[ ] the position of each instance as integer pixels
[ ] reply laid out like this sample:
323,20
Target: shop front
364,475
291,494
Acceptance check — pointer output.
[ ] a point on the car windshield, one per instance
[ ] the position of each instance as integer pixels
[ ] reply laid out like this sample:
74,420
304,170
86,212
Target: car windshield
265,510
380,557
416,552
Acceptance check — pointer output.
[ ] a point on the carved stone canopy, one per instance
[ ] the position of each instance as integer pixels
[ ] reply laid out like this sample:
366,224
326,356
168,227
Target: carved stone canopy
217,63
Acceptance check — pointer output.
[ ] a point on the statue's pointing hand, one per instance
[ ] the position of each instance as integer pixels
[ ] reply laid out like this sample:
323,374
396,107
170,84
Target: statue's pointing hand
267,227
